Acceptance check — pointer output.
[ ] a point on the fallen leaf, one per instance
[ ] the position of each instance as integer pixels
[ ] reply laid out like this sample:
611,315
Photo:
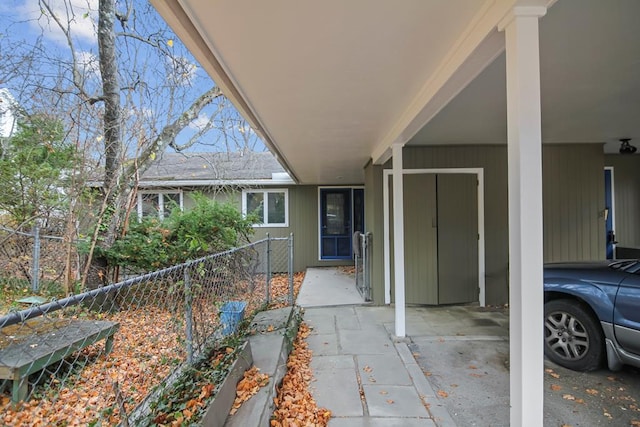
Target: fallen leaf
591,391
556,387
390,401
568,397
295,405
443,393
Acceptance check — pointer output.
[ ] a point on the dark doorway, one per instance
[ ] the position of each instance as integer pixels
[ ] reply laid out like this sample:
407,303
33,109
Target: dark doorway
341,214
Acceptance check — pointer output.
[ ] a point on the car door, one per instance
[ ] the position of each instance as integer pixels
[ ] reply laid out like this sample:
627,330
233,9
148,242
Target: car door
626,314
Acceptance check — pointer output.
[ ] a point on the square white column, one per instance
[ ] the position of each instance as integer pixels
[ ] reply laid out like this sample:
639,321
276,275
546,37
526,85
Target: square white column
398,240
525,216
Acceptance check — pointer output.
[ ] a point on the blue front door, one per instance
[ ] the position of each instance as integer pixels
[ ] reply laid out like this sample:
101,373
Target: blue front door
341,213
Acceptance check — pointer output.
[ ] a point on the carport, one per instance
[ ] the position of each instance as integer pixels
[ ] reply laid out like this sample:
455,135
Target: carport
335,86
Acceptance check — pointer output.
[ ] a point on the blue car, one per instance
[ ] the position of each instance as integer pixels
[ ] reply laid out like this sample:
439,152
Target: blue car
592,314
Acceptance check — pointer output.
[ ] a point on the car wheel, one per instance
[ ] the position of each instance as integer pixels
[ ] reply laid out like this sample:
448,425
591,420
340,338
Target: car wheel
572,336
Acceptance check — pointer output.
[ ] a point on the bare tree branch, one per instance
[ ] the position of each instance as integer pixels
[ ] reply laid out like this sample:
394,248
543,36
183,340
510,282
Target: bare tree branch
168,134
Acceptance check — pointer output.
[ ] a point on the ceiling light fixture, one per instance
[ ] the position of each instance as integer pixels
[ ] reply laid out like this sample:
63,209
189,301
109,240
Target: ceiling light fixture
626,148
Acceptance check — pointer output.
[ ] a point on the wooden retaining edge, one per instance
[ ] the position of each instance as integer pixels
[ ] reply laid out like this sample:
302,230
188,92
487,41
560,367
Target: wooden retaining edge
219,408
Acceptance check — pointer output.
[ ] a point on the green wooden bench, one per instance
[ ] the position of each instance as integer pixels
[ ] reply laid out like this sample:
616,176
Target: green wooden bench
37,351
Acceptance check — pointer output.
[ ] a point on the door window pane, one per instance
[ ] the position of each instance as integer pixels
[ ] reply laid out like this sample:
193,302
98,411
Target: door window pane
335,214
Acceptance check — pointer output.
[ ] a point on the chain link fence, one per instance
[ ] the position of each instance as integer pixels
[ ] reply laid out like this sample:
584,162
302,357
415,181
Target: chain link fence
100,357
35,258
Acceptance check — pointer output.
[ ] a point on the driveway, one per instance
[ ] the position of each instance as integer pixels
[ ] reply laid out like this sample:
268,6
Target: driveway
464,353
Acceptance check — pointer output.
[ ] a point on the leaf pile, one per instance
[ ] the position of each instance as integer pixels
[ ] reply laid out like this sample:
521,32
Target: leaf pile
147,348
280,289
144,353
295,405
248,386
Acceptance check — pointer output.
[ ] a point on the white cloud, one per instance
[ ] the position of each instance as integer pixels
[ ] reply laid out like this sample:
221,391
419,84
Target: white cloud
80,16
199,123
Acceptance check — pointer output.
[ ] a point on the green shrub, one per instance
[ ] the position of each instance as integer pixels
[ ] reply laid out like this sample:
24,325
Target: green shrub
208,227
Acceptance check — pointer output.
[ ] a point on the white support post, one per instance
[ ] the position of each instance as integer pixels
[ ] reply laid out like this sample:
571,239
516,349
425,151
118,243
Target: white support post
398,239
525,215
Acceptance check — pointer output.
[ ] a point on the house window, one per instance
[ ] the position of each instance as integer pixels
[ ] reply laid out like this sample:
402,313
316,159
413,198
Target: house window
158,204
271,207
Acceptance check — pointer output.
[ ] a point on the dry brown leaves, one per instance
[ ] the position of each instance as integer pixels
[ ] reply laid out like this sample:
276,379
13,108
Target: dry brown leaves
295,405
145,351
91,396
249,385
280,289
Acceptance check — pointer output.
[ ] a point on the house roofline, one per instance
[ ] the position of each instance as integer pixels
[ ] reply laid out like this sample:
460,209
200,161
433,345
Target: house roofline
205,183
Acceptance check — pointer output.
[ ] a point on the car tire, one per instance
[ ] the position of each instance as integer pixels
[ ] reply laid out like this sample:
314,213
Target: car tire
573,337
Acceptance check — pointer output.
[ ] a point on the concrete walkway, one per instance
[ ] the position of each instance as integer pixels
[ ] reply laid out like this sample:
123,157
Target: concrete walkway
363,375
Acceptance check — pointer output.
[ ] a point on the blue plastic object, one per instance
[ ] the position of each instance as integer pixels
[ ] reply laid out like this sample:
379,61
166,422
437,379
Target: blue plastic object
231,314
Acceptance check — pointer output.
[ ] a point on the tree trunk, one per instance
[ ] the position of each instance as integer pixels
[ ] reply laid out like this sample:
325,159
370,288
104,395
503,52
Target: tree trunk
97,274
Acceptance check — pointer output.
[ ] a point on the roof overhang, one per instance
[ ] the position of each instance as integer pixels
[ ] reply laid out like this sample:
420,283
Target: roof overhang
332,85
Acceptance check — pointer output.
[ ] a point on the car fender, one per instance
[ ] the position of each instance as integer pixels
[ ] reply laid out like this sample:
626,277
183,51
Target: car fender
599,298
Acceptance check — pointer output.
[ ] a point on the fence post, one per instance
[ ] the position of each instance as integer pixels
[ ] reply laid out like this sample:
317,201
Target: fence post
365,266
188,298
291,269
35,275
268,272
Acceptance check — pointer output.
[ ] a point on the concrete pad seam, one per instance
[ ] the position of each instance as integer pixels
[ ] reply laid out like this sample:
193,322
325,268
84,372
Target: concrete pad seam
443,338
363,397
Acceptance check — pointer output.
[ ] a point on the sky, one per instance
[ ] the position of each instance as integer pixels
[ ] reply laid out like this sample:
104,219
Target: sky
22,22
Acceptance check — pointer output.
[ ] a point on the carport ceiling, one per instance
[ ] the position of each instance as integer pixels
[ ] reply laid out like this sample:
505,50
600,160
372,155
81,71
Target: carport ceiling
331,84
590,82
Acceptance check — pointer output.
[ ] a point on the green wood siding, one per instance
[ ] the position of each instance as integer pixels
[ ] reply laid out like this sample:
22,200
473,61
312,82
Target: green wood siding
374,223
573,186
626,181
303,223
573,199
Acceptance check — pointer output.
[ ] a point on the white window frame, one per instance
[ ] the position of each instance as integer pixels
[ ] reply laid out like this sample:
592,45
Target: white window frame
265,192
160,194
